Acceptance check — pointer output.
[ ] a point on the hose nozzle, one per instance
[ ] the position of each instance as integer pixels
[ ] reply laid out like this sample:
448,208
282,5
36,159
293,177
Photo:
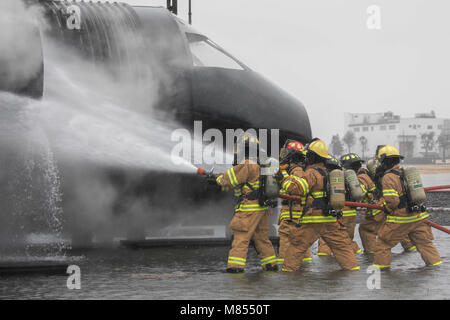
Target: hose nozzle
202,172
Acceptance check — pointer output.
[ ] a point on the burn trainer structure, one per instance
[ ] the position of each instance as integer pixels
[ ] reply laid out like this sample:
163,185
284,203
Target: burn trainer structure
211,85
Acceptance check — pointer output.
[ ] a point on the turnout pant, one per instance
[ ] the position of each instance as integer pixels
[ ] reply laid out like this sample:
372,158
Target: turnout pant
392,233
284,230
368,230
350,224
245,226
303,236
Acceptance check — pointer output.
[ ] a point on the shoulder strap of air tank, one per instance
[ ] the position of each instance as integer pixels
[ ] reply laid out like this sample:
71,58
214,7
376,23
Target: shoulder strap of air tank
401,174
363,171
324,174
405,198
396,172
254,192
293,167
306,208
320,170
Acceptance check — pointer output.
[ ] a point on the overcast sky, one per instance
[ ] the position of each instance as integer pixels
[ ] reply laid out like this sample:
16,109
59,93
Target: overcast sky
323,53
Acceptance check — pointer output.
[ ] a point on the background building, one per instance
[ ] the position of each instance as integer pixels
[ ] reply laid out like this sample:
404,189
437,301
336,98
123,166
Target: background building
417,138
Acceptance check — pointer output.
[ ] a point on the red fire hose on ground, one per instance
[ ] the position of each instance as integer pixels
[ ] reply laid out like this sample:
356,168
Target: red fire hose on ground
369,206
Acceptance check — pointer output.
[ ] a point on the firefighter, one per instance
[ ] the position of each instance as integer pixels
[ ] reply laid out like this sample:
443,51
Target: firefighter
315,220
348,218
250,220
401,221
375,218
352,161
367,228
292,158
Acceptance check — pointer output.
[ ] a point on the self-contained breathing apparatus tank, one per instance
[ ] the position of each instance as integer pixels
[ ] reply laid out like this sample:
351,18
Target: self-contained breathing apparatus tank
336,192
353,186
372,165
415,192
269,187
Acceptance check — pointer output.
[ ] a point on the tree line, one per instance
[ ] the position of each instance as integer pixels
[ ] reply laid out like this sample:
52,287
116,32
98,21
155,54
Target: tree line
428,141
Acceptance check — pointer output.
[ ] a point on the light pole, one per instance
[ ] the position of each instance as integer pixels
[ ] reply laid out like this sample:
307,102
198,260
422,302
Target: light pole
363,141
190,12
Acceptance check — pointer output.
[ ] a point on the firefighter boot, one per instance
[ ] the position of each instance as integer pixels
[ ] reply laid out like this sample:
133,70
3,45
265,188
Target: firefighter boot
271,267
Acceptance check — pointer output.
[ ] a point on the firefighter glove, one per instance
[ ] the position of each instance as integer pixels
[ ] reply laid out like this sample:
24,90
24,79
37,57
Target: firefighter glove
211,179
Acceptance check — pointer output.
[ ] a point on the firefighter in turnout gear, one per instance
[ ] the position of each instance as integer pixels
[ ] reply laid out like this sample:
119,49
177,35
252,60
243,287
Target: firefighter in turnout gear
291,165
402,218
353,162
323,249
250,220
374,219
316,220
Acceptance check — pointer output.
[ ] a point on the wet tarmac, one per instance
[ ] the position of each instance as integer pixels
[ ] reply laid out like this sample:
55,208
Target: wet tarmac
199,273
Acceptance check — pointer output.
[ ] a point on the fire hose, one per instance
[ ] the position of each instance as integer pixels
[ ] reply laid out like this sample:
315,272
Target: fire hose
204,172
369,206
201,171
437,188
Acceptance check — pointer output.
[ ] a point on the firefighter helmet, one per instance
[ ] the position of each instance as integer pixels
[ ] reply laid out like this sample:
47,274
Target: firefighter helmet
246,146
347,160
332,164
388,151
292,152
319,147
295,146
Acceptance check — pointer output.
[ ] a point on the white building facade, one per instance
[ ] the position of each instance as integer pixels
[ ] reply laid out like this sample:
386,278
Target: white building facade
373,129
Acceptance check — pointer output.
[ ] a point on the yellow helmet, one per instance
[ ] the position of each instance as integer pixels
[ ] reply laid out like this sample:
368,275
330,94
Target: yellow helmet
250,139
247,145
388,152
320,148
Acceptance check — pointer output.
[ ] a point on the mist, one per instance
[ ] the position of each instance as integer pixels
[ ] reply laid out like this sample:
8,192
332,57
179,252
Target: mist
93,156
21,60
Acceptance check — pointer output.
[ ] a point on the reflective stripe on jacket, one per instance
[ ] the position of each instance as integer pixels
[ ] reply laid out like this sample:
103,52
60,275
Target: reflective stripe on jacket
369,188
395,199
295,173
243,178
397,219
349,213
311,185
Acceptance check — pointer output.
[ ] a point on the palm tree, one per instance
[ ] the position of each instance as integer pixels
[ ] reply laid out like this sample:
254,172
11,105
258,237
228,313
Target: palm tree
336,146
444,142
349,139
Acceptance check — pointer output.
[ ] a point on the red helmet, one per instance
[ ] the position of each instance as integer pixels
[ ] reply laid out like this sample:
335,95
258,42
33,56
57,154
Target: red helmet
292,152
295,145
